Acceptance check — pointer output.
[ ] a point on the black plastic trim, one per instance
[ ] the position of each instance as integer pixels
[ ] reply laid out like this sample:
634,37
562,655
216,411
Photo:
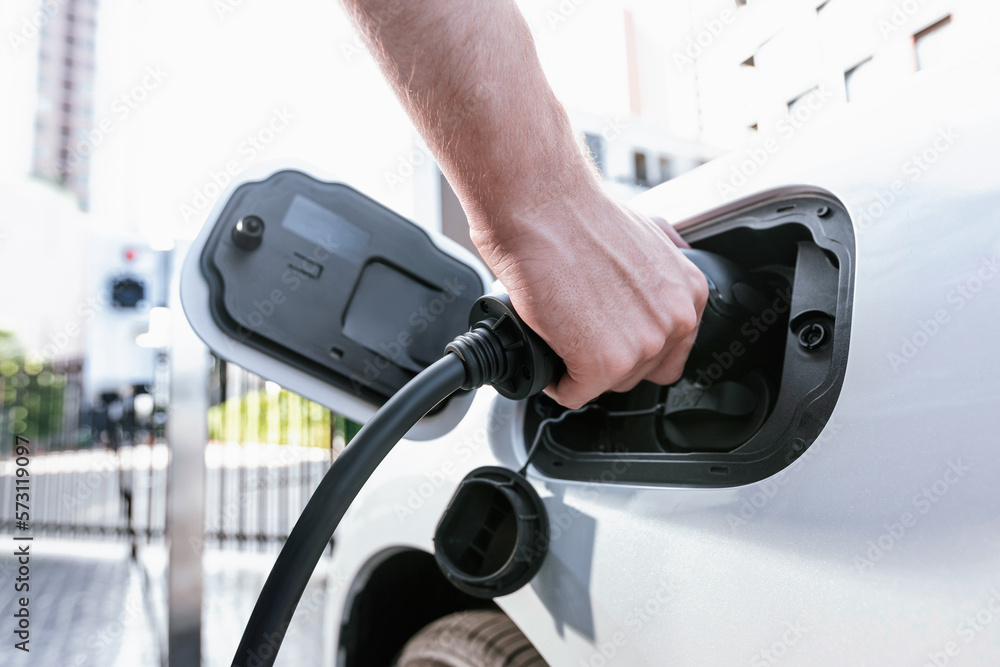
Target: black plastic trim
802,407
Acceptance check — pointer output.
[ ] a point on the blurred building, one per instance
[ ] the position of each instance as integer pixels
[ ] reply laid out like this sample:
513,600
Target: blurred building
609,63
64,112
769,67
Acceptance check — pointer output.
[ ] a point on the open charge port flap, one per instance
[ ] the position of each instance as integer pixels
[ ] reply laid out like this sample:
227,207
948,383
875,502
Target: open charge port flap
752,406
814,292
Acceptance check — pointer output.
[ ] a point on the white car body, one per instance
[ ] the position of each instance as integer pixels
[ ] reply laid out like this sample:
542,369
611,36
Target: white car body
879,545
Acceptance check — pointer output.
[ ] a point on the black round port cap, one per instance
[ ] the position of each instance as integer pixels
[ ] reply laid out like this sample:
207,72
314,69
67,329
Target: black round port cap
248,232
494,535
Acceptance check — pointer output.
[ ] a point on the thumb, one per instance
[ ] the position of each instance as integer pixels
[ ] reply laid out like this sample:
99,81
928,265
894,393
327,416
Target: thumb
570,392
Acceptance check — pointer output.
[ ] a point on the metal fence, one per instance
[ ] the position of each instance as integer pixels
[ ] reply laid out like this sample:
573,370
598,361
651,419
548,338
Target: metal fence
254,492
269,450
92,493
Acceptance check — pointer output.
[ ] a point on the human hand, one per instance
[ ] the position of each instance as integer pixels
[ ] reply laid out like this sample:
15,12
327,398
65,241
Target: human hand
605,287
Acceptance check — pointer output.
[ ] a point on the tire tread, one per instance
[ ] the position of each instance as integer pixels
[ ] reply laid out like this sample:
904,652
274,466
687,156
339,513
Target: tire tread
478,638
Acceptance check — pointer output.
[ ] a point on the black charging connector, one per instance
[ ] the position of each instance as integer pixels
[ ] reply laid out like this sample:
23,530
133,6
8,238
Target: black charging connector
501,350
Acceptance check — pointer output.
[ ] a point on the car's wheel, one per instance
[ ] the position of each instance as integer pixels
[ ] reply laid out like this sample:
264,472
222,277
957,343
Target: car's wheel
482,638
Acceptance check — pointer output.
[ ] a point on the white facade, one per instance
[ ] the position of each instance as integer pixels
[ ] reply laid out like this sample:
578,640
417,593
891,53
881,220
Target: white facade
755,62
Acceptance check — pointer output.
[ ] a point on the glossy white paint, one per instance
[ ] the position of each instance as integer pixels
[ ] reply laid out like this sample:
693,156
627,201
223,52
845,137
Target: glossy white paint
880,545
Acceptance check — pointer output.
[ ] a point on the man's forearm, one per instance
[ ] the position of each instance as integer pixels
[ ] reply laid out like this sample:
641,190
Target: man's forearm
606,288
469,76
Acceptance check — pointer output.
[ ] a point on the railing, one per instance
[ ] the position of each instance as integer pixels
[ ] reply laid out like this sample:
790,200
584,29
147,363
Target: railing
254,492
92,493
269,451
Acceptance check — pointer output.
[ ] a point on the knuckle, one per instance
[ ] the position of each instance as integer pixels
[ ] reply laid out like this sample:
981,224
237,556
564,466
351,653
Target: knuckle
618,369
617,365
699,287
649,347
701,291
685,322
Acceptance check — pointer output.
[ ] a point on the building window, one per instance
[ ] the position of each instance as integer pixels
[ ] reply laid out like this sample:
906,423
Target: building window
794,103
932,44
859,80
666,172
596,148
748,62
641,177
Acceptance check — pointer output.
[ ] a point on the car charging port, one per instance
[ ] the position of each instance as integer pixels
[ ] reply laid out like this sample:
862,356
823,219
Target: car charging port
763,376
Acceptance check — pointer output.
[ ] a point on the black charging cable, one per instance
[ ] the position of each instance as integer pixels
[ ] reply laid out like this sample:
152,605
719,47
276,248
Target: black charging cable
499,349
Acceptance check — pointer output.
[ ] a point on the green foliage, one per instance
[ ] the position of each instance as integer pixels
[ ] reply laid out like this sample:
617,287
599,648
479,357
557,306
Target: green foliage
276,418
31,394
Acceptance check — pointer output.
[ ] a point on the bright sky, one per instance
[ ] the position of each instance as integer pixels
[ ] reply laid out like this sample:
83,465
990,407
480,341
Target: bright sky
190,90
